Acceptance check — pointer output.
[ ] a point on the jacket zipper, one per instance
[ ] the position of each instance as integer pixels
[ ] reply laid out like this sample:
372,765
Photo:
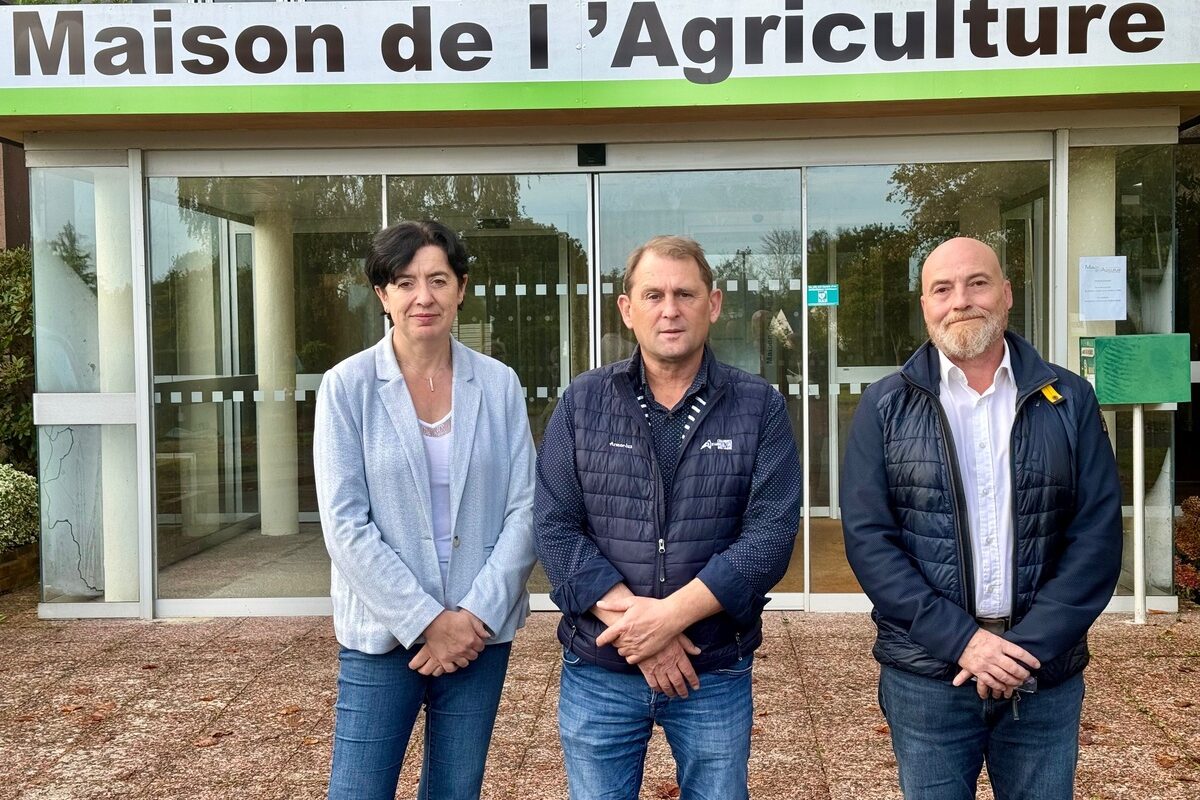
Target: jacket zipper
1012,477
966,569
659,505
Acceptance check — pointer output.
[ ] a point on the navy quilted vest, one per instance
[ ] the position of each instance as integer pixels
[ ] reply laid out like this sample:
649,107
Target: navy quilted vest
655,553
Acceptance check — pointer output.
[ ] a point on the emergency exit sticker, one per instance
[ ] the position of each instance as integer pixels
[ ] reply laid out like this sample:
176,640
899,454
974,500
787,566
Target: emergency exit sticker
823,294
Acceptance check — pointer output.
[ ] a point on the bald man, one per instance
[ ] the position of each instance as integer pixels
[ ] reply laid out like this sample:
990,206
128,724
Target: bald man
982,516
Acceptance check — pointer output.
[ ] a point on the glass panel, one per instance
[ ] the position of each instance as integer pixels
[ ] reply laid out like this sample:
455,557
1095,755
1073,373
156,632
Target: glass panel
749,225
83,295
89,499
257,289
869,231
527,296
1122,202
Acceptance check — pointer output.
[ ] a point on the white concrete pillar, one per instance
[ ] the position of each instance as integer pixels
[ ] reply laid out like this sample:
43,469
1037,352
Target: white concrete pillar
275,361
1091,231
197,340
118,451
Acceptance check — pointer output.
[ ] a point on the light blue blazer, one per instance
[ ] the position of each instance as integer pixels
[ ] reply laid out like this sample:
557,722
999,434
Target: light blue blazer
373,490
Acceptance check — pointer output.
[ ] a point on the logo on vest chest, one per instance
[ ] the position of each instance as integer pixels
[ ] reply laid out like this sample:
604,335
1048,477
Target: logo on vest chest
621,445
717,444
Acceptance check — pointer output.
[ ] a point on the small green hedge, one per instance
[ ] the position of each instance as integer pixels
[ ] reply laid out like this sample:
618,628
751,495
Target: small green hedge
16,360
19,513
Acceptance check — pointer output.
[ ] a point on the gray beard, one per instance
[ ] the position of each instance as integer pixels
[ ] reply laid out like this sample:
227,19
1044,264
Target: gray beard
966,344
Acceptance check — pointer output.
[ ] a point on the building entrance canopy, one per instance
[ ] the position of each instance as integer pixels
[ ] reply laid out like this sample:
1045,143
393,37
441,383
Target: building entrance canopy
258,59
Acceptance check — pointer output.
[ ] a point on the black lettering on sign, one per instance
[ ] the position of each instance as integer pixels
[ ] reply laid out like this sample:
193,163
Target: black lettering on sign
1078,20
539,37
979,17
306,46
202,41
823,38
164,51
913,46
67,35
277,49
719,54
131,51
418,34
1121,27
658,46
1044,42
465,37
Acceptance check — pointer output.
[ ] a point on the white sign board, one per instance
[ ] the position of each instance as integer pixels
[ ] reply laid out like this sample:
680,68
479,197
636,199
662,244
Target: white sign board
1102,288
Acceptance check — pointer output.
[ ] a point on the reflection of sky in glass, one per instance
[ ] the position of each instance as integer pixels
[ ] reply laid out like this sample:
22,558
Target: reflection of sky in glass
725,211
851,197
559,201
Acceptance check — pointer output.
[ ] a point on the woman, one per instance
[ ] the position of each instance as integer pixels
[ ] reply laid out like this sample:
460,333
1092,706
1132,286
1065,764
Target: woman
424,470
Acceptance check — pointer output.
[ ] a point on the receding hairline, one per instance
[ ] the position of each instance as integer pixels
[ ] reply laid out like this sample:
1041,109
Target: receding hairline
676,248
967,242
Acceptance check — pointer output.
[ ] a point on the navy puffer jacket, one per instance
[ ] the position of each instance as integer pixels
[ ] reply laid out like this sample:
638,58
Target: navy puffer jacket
907,537
640,539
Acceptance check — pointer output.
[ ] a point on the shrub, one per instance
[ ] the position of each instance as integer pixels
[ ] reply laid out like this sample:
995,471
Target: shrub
16,360
1187,549
19,513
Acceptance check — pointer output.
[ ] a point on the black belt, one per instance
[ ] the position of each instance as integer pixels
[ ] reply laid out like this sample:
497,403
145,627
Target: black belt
996,625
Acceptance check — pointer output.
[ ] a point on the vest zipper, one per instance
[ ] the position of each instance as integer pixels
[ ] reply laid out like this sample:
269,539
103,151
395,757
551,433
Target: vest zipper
662,560
737,638
966,570
1012,477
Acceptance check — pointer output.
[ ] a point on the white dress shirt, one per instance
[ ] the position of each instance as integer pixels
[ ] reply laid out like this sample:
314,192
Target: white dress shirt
981,428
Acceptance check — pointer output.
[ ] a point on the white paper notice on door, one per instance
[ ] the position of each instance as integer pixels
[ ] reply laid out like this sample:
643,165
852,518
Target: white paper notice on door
1102,289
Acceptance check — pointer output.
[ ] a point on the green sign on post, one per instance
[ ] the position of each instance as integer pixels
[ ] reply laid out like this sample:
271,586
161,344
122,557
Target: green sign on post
1146,369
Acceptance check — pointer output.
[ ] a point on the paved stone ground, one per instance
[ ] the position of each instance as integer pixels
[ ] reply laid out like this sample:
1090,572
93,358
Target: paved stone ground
242,708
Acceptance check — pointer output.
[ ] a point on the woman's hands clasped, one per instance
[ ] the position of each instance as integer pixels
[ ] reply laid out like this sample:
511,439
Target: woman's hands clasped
452,641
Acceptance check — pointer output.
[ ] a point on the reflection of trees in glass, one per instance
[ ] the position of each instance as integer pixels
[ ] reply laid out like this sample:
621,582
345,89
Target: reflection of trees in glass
935,196
336,312
1145,207
508,249
878,302
170,295
72,247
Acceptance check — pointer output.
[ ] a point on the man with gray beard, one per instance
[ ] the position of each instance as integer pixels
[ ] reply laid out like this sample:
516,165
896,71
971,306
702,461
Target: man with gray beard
982,516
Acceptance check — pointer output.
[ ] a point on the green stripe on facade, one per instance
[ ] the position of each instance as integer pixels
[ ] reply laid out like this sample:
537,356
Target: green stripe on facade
334,98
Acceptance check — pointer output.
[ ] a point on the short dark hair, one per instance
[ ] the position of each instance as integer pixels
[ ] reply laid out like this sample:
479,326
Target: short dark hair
394,248
679,248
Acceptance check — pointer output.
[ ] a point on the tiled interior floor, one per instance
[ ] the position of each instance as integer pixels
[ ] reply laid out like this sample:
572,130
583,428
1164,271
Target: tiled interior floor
254,565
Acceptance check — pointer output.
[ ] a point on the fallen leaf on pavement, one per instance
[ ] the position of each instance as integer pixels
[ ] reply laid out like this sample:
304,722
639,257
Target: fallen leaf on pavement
70,707
1184,703
149,666
211,739
1166,761
883,728
208,698
1086,738
667,791
287,711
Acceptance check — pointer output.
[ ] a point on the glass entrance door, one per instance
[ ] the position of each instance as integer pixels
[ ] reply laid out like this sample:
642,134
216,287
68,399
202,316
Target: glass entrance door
749,223
870,229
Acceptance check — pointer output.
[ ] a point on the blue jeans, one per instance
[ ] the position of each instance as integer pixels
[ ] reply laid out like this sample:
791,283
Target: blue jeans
942,734
605,719
377,705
